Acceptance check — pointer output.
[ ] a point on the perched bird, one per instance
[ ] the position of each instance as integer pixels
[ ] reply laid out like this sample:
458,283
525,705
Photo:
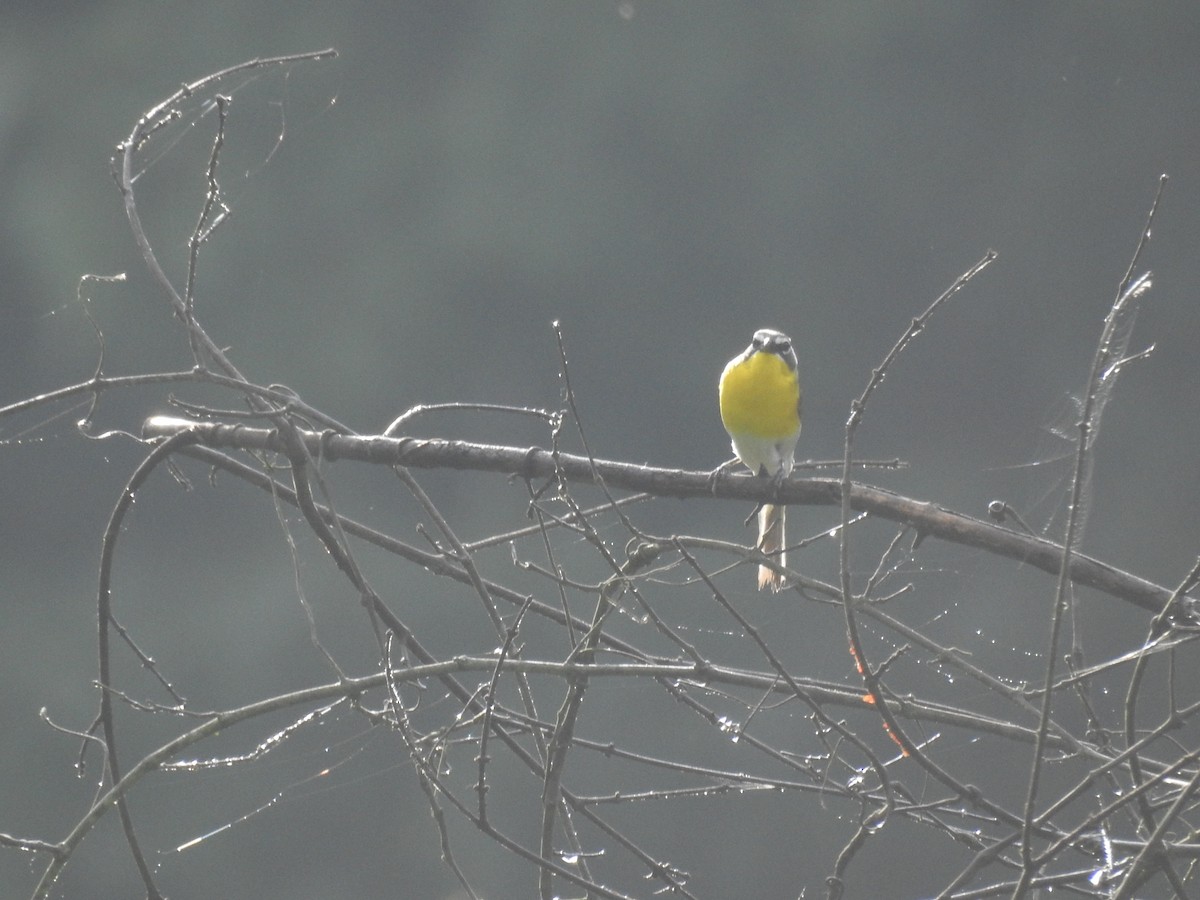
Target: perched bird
760,408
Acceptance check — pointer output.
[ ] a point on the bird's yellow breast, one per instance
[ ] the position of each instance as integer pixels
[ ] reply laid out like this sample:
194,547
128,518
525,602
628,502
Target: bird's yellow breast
760,396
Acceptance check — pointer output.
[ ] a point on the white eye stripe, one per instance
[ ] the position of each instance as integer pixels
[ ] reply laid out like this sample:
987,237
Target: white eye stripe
768,340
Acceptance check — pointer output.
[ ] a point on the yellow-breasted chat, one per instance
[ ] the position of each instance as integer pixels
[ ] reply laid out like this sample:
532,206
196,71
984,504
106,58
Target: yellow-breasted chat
760,407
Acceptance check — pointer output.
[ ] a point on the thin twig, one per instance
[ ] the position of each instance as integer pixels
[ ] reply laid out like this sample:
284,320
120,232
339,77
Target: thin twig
1128,294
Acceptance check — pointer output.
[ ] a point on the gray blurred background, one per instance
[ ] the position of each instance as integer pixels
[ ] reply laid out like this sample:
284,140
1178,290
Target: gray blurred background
662,178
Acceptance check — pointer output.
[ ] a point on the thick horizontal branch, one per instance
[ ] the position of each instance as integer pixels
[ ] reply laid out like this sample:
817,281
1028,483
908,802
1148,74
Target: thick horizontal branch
928,519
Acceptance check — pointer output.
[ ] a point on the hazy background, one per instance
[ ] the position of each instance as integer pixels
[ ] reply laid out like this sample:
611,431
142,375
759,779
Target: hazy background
662,178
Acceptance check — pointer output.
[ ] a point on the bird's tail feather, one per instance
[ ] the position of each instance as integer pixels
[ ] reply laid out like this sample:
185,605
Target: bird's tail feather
771,542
